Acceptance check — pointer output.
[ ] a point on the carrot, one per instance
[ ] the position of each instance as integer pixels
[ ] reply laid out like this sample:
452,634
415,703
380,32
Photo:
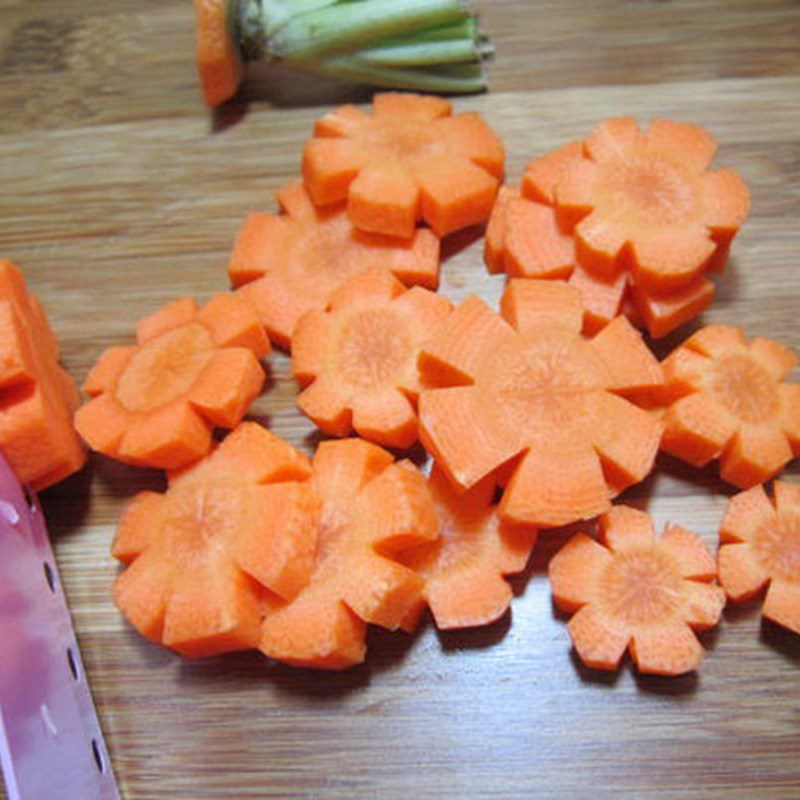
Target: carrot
156,403
357,361
649,202
293,262
633,591
663,313
37,397
760,546
231,533
407,160
463,570
372,510
219,63
726,399
538,390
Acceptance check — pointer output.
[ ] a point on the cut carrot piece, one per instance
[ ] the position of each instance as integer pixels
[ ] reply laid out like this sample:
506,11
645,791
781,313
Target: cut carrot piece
293,263
495,238
663,313
203,558
372,510
358,360
637,592
542,174
37,398
647,202
726,400
218,61
536,395
405,161
463,570
157,403
760,546
602,297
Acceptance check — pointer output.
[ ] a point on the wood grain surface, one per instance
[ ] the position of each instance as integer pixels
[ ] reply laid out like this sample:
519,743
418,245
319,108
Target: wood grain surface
119,193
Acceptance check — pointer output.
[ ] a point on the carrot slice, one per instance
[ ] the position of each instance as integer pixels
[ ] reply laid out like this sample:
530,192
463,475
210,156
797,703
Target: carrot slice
463,570
634,591
542,174
602,297
358,360
156,404
293,263
725,400
219,63
372,511
663,313
536,400
760,546
203,558
646,201
400,163
37,398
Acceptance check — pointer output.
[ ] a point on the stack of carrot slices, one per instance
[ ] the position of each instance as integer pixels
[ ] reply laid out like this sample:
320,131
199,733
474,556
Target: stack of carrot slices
536,415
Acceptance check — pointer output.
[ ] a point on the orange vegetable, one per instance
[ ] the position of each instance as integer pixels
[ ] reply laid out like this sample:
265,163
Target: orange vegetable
156,403
232,532
219,64
358,359
37,397
372,509
761,547
632,591
536,389
727,400
407,160
298,259
463,569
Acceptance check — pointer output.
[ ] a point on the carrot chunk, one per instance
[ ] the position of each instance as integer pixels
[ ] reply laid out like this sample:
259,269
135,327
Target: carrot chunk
218,61
372,511
292,263
155,404
632,591
543,392
358,359
37,398
204,558
726,401
463,570
403,162
760,546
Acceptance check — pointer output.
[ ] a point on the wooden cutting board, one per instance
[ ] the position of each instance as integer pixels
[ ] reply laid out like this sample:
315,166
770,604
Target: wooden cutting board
117,197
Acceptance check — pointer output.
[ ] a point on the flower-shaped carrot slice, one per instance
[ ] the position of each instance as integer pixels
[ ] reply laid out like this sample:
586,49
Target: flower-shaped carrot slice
372,509
407,160
635,591
649,201
761,546
464,568
156,403
728,401
536,390
298,259
37,397
219,64
358,360
232,532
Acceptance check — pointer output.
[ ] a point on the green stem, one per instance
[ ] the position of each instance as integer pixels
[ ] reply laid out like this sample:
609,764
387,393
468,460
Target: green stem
421,53
348,25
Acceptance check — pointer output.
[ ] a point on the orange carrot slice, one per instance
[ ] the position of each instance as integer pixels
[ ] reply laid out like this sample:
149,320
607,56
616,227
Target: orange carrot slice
37,397
663,313
406,160
633,591
372,510
760,546
156,403
358,359
298,259
463,570
219,64
726,400
538,389
648,201
229,535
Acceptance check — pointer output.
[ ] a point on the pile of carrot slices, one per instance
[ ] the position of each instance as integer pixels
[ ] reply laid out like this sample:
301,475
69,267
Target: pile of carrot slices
536,414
